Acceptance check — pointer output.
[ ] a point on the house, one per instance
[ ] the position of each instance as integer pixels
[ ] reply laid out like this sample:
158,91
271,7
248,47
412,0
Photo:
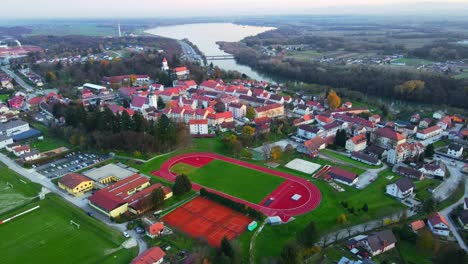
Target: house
198,126
445,122
438,224
301,109
5,140
356,143
410,173
155,229
374,118
455,150
416,225
365,158
312,146
379,242
434,169
331,129
154,255
415,118
376,151
324,119
271,110
429,132
342,176
305,120
438,115
30,156
356,121
209,85
463,219
181,72
75,184
238,110
401,189
405,151
20,150
387,138
309,132
140,103
16,102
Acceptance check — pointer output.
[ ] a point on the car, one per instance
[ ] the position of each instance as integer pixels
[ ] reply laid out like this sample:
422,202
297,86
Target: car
125,234
139,230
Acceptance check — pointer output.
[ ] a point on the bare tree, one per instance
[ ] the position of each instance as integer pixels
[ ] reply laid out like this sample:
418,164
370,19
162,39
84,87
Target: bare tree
349,229
337,235
365,226
325,240
266,150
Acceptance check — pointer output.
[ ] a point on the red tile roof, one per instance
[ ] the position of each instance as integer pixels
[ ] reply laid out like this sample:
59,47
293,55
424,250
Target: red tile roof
359,139
429,129
149,256
35,100
198,122
180,69
390,134
267,107
72,180
416,225
437,218
156,228
341,174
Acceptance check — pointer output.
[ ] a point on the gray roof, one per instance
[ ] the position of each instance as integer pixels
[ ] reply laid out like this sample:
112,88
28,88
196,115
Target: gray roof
381,239
3,137
11,124
404,184
455,147
97,174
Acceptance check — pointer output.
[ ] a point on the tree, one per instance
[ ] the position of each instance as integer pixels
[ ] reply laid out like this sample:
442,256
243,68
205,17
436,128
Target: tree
342,219
250,113
425,241
157,196
333,100
226,248
160,103
429,151
451,254
182,185
365,207
248,133
276,152
291,254
340,138
309,235
50,77
429,205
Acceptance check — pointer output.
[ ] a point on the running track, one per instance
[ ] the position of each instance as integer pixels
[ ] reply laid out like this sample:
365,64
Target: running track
310,196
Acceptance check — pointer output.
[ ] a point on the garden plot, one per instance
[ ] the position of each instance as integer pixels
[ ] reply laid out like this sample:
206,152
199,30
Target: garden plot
303,166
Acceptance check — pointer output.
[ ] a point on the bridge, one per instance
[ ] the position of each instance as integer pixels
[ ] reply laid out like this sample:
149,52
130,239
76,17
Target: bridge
220,57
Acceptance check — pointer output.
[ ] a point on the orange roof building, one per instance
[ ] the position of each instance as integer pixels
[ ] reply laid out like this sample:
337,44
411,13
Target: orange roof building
75,184
153,255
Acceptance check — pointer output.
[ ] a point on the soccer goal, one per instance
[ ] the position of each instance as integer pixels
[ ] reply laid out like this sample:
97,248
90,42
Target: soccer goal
75,224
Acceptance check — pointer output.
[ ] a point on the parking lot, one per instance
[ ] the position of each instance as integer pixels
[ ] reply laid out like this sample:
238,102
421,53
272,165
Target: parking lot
70,163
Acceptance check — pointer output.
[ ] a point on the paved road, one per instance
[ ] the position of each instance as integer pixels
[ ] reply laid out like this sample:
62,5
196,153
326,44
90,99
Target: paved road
190,53
444,190
20,81
80,202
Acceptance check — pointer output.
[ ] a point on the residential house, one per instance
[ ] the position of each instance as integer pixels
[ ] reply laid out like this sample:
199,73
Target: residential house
438,224
355,121
181,73
415,118
365,158
30,156
20,150
16,102
379,242
301,109
190,84
342,176
238,110
252,101
75,184
276,98
455,150
434,169
331,129
5,140
438,115
198,126
401,189
271,111
312,146
309,132
154,255
262,125
417,225
404,151
305,120
209,85
387,138
425,123
445,122
324,119
155,229
356,143
429,132
374,118
410,173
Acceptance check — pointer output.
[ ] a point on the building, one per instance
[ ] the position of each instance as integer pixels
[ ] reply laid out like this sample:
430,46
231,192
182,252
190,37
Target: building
5,140
165,65
312,146
356,143
365,158
30,156
405,151
16,102
379,242
109,173
75,184
154,255
463,219
271,110
434,169
445,122
181,72
417,225
342,176
238,110
20,150
425,123
438,224
410,173
429,132
13,127
455,150
309,132
94,87
155,230
387,138
198,126
401,189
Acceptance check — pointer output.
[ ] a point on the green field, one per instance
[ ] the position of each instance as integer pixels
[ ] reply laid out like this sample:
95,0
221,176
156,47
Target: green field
421,188
247,184
412,62
349,160
463,75
49,142
4,97
46,235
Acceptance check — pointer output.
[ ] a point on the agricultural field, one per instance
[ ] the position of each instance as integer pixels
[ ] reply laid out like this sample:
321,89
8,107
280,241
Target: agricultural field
235,180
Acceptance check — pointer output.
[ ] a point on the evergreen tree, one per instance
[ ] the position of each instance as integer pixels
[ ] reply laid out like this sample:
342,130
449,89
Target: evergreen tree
157,196
226,248
309,235
429,151
291,254
182,185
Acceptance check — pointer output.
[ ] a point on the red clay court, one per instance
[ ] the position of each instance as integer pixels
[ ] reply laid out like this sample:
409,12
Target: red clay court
278,202
203,218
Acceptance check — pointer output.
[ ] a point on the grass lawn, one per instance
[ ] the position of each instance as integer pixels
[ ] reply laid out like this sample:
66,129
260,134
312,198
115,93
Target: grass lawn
49,142
412,62
349,160
4,97
245,183
421,188
182,168
46,236
22,192
350,168
441,143
411,254
272,239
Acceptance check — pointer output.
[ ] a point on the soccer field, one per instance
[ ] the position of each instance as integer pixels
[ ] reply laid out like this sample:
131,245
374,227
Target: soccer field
244,183
46,236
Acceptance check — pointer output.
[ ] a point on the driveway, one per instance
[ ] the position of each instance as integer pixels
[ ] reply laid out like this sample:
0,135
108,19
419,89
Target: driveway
444,190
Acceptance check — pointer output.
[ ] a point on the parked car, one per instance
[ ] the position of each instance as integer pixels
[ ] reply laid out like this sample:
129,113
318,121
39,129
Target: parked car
126,234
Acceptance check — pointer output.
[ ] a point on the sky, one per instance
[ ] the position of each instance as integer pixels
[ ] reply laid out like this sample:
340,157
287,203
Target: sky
187,8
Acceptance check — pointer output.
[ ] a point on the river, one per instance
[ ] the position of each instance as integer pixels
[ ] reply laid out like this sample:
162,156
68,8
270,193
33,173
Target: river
205,36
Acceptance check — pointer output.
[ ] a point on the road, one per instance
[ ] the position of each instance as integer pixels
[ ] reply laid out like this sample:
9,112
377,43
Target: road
190,53
20,81
444,190
81,202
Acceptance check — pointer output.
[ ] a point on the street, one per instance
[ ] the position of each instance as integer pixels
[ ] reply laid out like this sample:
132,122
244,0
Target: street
190,53
80,202
20,81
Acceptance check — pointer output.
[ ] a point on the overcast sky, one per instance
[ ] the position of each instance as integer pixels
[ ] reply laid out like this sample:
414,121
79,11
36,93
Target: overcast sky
186,8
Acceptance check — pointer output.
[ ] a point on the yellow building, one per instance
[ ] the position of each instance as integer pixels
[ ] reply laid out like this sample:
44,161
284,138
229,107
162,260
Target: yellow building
75,184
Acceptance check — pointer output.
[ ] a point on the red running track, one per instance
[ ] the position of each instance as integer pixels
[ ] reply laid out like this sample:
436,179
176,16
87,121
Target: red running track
282,203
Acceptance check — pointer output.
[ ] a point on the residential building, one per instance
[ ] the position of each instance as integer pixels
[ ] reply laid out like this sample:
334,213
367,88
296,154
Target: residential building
309,132
356,143
379,242
438,224
455,150
154,255
181,73
405,151
301,109
434,169
5,140
365,158
342,176
20,150
16,102
410,173
271,110
445,122
13,127
305,120
438,115
425,123
415,118
155,229
401,189
429,132
198,126
75,184
417,225
30,156
331,129
238,110
312,146
387,138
